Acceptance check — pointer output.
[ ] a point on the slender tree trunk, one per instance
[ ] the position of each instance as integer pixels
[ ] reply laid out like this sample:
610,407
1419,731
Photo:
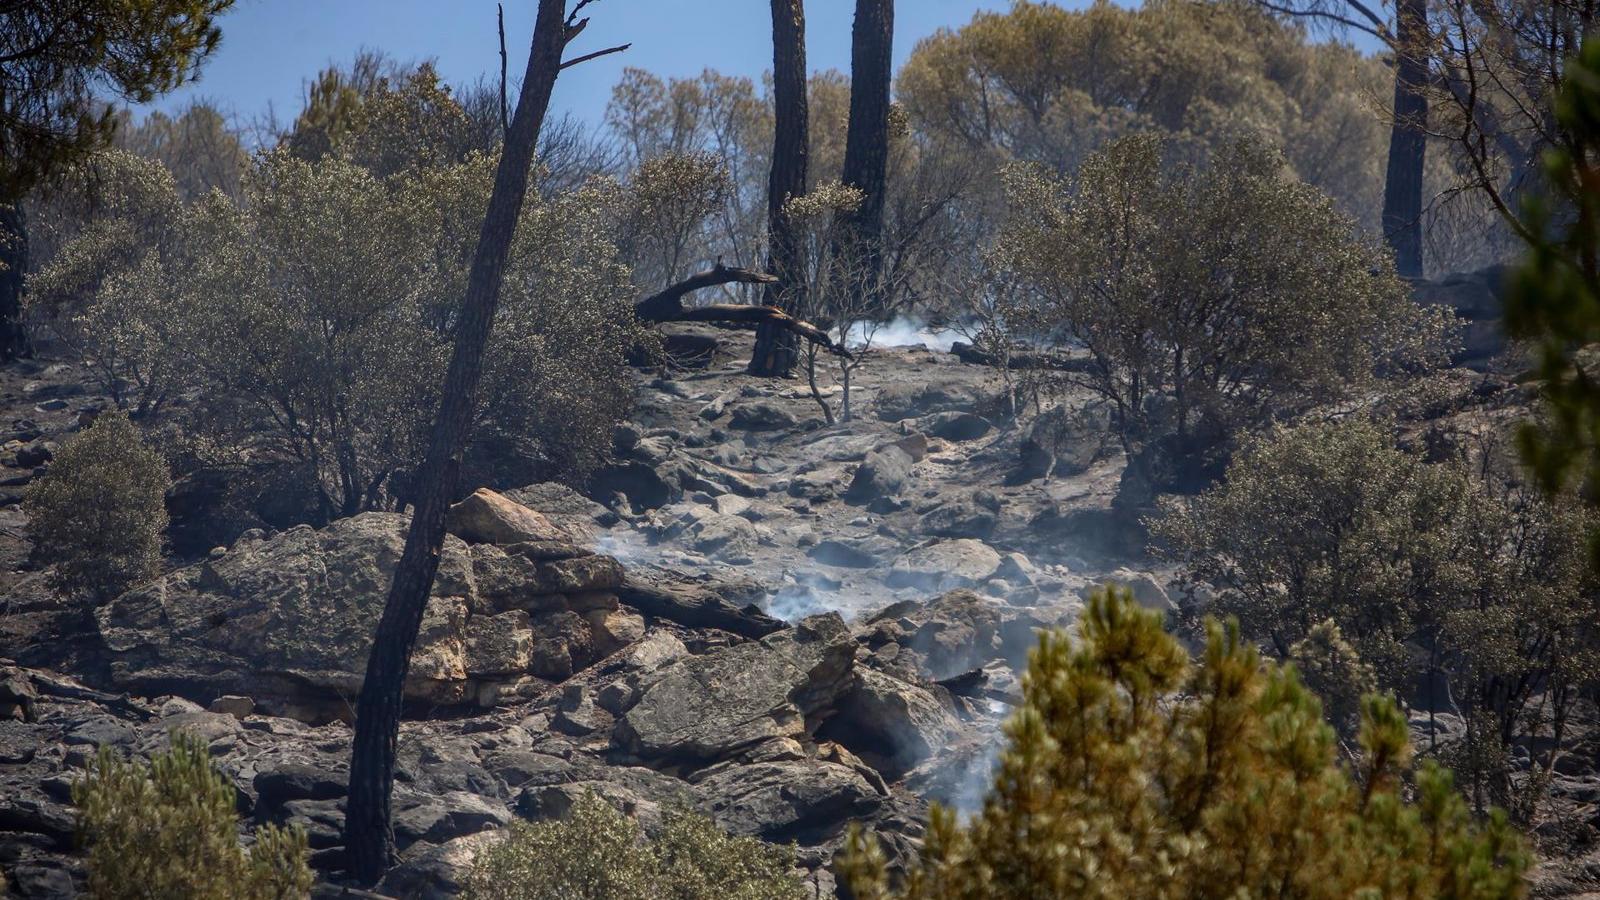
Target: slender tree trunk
866,150
368,836
1402,187
13,266
776,350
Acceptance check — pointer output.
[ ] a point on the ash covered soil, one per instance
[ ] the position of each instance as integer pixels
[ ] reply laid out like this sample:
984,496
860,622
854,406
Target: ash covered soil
786,625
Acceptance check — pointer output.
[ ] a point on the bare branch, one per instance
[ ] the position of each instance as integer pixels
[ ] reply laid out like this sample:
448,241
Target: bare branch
595,55
505,112
1378,29
667,306
763,315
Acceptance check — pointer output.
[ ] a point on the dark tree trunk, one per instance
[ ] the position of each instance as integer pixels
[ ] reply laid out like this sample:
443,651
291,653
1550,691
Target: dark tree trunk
1402,187
776,349
866,149
369,838
13,266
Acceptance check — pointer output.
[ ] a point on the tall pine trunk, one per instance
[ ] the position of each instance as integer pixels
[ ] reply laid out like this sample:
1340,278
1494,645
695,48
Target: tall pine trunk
777,350
866,150
368,834
1402,187
13,266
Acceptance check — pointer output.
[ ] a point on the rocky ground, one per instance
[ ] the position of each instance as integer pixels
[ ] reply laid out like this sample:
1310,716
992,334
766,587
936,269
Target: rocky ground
786,625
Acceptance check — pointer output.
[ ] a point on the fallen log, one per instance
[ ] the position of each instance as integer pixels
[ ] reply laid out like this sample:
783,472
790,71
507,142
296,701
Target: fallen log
667,306
1022,359
694,606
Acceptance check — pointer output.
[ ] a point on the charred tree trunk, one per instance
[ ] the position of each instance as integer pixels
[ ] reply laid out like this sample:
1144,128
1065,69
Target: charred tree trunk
866,150
1402,187
368,835
13,266
776,349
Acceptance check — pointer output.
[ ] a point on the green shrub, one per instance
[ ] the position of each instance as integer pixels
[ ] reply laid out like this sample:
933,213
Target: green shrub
597,853
1208,299
98,514
1133,773
1440,570
170,830
1335,671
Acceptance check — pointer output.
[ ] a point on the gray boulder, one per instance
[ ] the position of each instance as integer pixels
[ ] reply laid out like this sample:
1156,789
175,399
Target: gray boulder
956,426
945,565
1064,440
288,620
959,519
783,800
702,709
762,415
893,724
906,400
882,474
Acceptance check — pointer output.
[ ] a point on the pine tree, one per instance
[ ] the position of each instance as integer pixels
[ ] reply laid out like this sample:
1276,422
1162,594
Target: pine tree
1131,772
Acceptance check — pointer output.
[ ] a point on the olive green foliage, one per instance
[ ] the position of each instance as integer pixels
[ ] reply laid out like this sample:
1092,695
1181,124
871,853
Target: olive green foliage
97,515
196,145
1555,295
712,119
1334,670
1131,772
59,60
341,284
1425,568
670,203
1041,83
1209,299
170,830
598,853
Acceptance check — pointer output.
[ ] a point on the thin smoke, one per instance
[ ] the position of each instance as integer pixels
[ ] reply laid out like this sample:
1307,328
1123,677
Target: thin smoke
901,331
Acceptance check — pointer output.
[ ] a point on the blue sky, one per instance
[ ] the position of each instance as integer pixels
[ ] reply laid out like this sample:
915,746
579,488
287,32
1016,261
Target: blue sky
271,47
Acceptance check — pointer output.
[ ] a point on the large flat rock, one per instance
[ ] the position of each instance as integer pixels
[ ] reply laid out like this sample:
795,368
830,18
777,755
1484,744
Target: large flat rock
702,709
288,619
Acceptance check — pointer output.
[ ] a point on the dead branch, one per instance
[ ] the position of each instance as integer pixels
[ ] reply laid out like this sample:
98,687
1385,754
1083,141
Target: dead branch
505,109
667,306
595,55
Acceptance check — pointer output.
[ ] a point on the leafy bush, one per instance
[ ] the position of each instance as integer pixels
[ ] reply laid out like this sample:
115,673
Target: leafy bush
1429,570
97,515
1335,672
1208,299
1132,773
331,344
597,853
170,830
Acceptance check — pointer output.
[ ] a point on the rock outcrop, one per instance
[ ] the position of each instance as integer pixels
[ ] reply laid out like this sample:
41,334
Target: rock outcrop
287,619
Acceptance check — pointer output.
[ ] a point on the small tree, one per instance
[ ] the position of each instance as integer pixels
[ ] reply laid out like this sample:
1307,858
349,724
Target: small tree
1132,773
826,283
597,853
1209,299
170,830
97,515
